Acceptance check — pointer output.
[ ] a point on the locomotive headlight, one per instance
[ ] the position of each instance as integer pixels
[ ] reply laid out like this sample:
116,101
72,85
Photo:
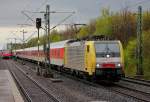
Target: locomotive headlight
118,64
107,56
97,65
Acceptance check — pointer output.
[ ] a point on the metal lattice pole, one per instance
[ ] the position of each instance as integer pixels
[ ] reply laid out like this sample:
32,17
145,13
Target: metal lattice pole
139,43
23,45
48,72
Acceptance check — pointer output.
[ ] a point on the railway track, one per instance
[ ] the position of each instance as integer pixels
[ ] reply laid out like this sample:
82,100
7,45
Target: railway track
128,86
26,97
126,91
148,81
66,96
31,88
137,81
19,84
130,92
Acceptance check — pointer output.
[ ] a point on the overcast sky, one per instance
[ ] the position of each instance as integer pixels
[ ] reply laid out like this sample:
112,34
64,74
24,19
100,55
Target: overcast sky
85,10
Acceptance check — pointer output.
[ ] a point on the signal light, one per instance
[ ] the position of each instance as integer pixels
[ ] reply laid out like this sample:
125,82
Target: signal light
38,23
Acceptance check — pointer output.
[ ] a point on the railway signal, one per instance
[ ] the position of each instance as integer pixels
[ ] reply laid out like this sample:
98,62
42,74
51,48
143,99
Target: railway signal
38,23
38,26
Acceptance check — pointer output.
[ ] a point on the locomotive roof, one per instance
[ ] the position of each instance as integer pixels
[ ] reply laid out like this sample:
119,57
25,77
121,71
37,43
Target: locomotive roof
59,44
93,38
79,43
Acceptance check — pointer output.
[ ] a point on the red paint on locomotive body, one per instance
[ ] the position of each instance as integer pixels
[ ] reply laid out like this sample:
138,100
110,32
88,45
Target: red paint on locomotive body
57,53
108,65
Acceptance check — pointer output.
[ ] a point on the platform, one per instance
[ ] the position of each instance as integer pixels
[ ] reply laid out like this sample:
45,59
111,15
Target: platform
8,88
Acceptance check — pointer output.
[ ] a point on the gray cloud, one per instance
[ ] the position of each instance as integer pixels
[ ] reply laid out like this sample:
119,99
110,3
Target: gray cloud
86,9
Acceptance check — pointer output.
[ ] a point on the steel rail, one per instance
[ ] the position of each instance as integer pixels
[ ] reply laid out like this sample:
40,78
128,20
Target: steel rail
36,83
137,81
25,93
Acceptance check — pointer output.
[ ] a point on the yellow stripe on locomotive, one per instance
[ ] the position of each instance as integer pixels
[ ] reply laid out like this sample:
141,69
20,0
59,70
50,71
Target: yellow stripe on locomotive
90,57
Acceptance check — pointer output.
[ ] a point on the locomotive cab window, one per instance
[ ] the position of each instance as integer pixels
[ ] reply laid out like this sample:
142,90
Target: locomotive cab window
104,49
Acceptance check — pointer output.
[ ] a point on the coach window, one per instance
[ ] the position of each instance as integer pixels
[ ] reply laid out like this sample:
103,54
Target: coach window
55,53
58,53
51,54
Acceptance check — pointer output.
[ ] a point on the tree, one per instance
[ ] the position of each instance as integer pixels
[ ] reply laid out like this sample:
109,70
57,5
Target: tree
124,26
84,31
146,21
103,23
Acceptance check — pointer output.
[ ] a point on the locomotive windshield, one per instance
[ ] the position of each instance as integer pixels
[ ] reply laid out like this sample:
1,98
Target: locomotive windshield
107,50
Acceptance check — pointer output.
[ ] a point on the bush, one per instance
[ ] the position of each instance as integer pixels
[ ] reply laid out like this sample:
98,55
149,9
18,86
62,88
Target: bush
130,58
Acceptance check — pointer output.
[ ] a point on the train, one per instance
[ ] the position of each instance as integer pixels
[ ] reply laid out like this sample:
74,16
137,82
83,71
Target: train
94,58
6,54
